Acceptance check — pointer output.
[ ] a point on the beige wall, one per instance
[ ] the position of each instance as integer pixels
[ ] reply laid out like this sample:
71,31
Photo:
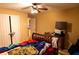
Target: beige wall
23,22
72,16
46,21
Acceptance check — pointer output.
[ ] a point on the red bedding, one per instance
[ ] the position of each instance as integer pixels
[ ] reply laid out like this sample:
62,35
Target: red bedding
25,42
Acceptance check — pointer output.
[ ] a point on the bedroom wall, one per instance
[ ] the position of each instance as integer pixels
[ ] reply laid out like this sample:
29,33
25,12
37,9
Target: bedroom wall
46,21
72,16
23,22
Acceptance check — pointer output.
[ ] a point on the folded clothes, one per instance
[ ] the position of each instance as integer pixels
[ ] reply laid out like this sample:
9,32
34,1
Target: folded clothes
74,48
76,53
13,46
49,51
25,42
4,49
38,45
46,46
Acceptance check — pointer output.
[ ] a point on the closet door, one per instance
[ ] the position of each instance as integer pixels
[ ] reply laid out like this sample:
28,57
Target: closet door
5,29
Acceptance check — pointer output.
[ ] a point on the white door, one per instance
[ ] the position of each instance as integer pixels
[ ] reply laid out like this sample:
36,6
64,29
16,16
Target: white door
33,25
5,29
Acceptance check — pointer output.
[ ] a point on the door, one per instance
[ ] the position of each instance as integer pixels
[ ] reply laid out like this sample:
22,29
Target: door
32,26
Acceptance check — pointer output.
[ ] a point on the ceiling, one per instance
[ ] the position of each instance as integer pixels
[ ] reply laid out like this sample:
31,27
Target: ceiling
19,6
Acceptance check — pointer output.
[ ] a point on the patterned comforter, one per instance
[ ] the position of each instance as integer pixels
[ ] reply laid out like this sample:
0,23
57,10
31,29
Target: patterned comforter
26,50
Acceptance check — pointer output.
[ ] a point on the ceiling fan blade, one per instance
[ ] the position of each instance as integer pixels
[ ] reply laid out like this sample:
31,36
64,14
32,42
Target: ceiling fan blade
43,8
26,7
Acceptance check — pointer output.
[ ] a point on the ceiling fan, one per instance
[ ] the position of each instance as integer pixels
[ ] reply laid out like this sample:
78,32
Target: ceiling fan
37,7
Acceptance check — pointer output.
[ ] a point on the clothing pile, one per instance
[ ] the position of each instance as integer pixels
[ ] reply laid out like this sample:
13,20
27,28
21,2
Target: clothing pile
74,49
30,47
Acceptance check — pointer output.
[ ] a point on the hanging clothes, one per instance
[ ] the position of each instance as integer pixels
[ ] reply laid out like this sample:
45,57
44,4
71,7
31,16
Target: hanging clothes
54,42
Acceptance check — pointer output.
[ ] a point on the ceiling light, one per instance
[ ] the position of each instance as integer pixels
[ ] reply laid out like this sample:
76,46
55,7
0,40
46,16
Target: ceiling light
33,11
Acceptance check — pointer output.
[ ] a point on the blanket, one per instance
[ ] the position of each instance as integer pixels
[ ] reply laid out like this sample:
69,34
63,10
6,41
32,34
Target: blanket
26,50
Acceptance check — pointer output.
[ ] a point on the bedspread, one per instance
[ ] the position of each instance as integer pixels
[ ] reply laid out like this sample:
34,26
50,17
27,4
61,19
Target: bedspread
26,50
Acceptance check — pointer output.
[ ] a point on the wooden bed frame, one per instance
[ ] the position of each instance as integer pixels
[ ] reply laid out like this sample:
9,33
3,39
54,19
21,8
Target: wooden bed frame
42,37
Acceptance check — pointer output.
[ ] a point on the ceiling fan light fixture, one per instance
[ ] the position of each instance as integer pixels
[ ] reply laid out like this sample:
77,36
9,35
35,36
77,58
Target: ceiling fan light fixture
33,11
34,6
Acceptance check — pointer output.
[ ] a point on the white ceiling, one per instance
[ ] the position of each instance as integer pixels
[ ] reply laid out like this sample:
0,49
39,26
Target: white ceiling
19,6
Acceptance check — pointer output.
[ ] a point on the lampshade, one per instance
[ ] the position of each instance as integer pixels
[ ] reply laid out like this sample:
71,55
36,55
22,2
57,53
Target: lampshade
61,25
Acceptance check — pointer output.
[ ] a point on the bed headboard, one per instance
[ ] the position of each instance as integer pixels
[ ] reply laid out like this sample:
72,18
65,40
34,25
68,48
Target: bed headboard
42,37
